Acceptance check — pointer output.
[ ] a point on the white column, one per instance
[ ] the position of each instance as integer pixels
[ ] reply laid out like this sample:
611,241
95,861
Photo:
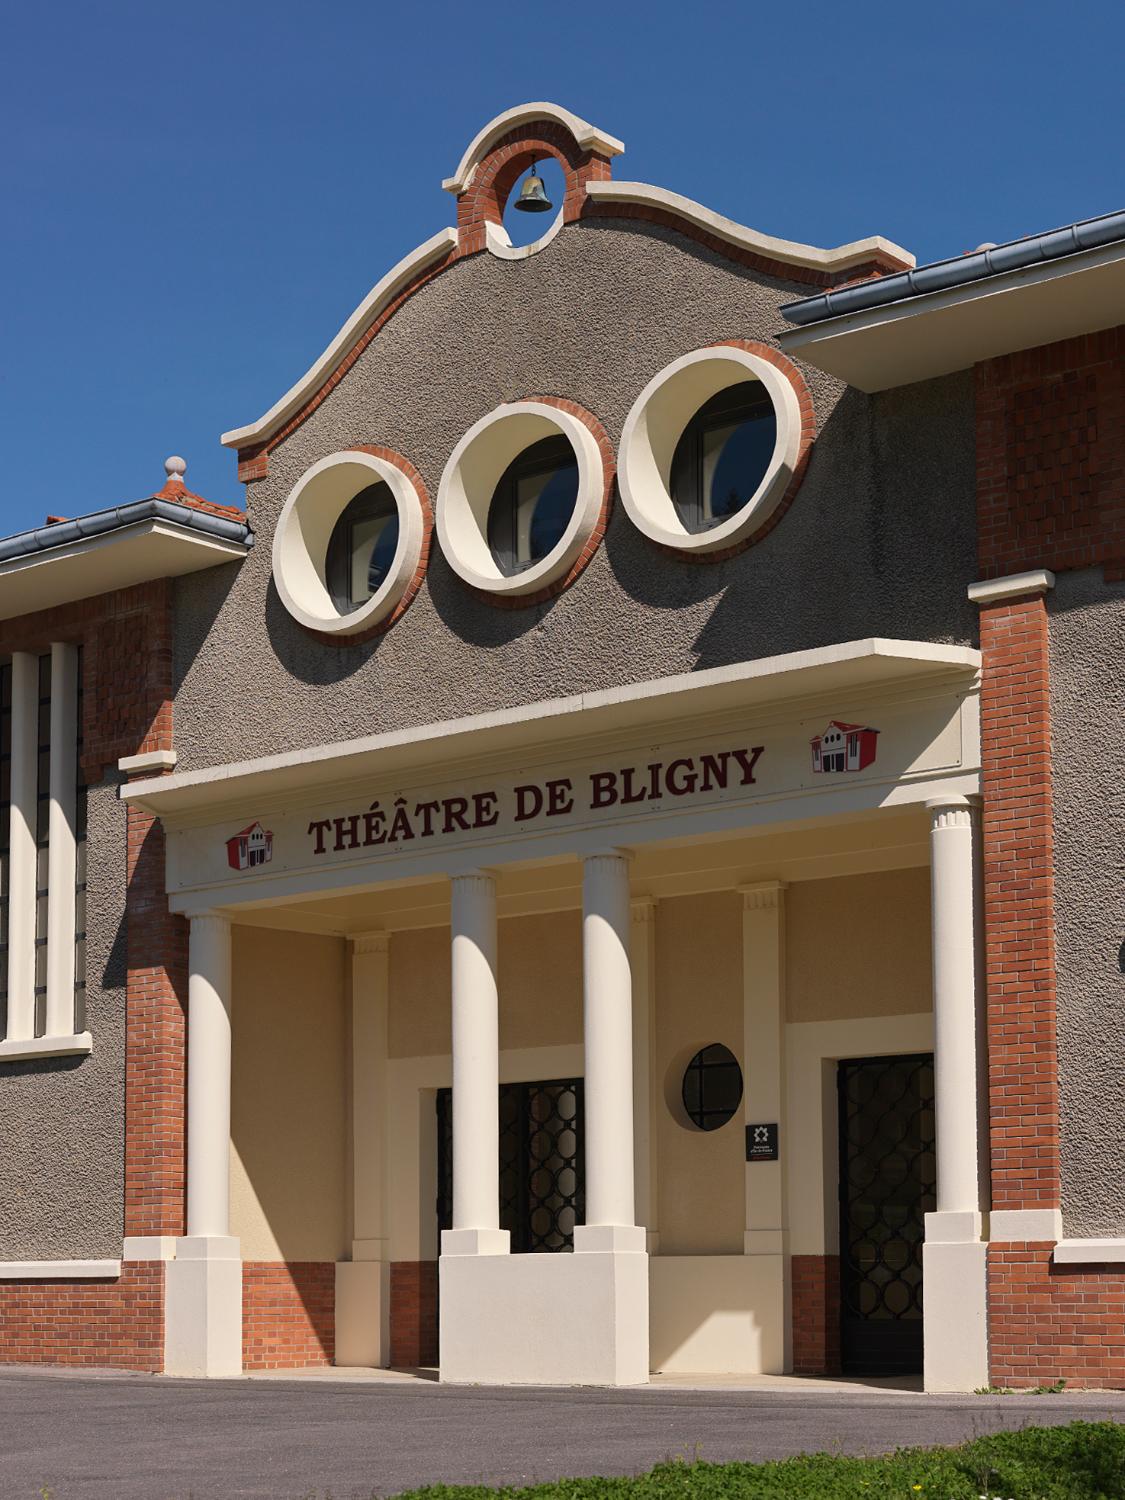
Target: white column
476,1070
208,1082
21,847
608,1015
956,1320
643,963
203,1284
63,846
763,1050
363,1283
578,1319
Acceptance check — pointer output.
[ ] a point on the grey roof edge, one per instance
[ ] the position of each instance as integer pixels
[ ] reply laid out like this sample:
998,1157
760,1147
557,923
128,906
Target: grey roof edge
960,270
117,518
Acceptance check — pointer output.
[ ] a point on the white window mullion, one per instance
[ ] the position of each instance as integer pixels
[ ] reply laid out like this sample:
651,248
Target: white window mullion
62,839
21,847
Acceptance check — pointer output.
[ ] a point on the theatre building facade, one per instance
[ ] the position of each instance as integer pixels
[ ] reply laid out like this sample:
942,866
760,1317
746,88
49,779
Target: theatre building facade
610,864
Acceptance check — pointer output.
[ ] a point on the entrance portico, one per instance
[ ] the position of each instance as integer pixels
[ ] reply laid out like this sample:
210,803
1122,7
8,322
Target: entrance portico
739,850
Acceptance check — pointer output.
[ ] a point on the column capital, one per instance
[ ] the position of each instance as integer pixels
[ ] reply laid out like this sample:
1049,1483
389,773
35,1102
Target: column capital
479,876
762,895
642,909
368,942
952,811
202,919
608,853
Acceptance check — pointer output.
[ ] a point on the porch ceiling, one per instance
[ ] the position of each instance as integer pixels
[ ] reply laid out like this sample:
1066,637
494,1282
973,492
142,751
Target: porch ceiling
890,839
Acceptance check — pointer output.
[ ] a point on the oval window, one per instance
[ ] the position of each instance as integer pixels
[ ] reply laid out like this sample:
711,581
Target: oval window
712,1087
723,455
532,505
362,547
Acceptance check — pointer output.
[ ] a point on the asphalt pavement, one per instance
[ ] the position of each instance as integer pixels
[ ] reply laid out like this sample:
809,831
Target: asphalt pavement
128,1437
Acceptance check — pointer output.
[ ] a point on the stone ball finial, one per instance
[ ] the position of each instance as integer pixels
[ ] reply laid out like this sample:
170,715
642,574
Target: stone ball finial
175,467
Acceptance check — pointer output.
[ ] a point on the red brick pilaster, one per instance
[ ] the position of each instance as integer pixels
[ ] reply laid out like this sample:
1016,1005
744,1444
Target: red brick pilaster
1018,907
414,1327
815,1282
155,1040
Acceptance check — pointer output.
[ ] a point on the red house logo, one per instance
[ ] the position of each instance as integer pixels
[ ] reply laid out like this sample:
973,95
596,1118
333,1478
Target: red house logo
253,846
843,747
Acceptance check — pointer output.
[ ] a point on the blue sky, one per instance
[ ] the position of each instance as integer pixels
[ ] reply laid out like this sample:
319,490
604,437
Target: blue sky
195,197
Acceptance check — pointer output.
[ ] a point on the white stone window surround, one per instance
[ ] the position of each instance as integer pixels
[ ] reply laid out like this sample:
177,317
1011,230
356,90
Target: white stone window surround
60,1039
300,543
656,423
475,468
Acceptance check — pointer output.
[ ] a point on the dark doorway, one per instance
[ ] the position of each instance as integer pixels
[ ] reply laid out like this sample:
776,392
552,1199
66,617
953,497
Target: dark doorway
887,1177
542,1163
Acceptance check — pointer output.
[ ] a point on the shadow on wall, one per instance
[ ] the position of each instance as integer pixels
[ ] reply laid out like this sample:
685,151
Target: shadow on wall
880,539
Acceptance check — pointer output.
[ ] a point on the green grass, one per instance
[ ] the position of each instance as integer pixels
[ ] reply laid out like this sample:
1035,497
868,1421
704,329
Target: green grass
1081,1461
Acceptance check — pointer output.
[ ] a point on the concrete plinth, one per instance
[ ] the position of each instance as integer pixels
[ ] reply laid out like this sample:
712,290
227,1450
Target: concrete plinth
363,1313
955,1313
578,1319
203,1307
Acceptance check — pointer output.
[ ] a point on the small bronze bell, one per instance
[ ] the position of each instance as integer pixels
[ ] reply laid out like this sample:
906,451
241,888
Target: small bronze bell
533,195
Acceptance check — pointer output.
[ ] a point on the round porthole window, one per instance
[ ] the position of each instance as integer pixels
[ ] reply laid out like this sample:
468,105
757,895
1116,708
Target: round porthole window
710,447
349,542
532,505
520,498
712,1087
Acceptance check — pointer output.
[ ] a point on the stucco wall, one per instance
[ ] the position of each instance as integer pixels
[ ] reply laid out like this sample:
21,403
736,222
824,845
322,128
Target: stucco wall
289,1095
880,539
698,1001
62,1119
540,983
859,946
1087,644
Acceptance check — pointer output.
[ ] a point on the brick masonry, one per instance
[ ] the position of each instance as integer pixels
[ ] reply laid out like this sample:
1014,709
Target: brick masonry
1051,457
288,1314
118,1323
815,1286
414,1324
1049,1322
1018,910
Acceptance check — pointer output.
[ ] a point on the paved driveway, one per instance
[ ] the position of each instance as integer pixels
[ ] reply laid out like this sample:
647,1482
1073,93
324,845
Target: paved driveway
140,1438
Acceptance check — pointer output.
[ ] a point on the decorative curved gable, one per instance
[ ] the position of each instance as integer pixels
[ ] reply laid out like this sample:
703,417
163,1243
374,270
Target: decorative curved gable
494,161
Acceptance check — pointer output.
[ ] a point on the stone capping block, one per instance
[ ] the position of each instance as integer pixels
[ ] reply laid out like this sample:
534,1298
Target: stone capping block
1015,586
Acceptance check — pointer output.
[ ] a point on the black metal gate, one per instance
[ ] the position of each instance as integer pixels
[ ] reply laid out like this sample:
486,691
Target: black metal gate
887,1177
542,1163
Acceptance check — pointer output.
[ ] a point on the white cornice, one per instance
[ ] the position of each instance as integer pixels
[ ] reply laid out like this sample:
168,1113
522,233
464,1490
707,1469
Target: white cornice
790,252
865,664
588,136
372,306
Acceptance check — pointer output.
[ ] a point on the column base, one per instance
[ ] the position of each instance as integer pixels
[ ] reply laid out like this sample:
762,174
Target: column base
363,1313
578,1319
955,1314
203,1308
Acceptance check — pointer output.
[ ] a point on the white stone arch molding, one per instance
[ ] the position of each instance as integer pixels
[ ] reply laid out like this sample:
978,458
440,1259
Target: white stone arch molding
474,469
300,543
656,423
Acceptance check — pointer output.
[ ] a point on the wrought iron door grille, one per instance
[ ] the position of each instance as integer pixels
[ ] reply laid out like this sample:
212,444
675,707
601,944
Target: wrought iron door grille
887,1185
542,1163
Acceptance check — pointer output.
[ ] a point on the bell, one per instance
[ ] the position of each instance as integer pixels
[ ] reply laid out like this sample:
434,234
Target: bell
533,196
